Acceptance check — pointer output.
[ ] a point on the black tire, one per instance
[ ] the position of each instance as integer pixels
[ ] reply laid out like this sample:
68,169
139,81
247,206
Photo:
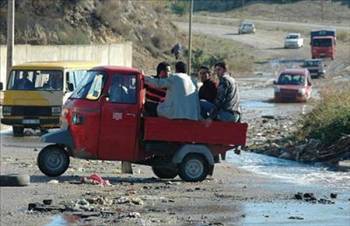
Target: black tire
18,131
14,180
193,168
53,160
164,172
43,131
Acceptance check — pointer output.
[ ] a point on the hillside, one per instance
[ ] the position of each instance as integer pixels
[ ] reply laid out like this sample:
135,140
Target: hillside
94,21
147,23
308,11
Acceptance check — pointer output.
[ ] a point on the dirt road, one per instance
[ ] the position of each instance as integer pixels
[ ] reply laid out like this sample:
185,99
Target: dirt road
231,197
268,41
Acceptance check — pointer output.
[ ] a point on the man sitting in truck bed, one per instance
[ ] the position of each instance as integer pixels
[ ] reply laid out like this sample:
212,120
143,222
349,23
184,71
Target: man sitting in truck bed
181,100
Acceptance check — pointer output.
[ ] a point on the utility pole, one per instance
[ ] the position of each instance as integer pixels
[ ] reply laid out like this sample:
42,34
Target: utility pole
10,35
190,39
322,10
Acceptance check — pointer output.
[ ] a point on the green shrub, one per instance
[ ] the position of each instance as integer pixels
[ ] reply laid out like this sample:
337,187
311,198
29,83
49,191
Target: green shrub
343,36
330,118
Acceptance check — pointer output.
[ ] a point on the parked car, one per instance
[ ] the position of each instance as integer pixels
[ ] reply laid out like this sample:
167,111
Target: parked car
246,28
316,67
293,85
37,103
293,40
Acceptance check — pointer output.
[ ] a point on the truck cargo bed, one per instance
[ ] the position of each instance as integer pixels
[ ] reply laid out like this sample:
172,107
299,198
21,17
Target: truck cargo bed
214,132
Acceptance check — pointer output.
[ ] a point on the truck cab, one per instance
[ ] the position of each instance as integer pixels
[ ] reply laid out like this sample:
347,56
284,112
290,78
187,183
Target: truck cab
104,119
323,43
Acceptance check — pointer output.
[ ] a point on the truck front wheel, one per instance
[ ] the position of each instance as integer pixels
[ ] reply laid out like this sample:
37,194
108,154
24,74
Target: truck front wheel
164,172
193,168
53,160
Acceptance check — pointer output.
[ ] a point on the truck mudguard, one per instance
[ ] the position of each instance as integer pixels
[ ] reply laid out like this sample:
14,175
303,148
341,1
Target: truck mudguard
193,148
62,136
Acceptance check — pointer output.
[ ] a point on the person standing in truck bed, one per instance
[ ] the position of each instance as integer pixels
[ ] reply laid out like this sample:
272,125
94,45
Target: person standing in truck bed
155,95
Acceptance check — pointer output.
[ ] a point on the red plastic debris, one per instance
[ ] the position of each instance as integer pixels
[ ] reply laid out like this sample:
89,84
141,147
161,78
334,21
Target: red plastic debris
95,179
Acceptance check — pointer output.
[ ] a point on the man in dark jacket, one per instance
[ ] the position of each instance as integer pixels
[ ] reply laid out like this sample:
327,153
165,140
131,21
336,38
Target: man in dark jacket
207,92
227,99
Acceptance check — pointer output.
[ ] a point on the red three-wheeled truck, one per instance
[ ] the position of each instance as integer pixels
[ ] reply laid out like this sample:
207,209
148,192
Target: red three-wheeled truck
104,119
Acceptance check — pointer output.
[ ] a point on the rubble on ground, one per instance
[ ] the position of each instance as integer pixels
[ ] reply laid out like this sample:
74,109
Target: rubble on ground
273,136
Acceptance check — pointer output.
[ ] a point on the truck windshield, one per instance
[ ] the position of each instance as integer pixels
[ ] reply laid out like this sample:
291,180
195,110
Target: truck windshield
312,63
90,87
322,42
291,79
292,37
48,80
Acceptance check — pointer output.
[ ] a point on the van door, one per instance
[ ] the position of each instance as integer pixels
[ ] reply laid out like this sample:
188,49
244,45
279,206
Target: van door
120,119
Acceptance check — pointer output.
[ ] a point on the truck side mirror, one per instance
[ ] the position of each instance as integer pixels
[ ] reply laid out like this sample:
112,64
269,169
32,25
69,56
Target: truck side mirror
70,86
1,86
274,82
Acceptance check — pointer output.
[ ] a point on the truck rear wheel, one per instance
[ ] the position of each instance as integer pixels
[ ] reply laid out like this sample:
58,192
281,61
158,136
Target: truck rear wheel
18,131
193,168
53,161
164,172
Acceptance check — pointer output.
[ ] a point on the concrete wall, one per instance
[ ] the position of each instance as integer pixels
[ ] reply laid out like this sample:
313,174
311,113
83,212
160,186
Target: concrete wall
112,54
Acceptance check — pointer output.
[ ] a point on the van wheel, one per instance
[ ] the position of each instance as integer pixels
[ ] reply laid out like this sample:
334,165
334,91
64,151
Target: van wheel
43,131
18,131
164,172
194,167
53,161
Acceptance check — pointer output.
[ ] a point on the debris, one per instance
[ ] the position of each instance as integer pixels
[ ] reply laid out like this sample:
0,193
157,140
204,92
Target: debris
295,218
95,179
268,116
333,195
53,182
325,201
14,180
47,201
45,208
137,201
122,200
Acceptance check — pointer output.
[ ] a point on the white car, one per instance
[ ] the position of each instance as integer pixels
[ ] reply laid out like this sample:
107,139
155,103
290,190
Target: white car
293,40
246,28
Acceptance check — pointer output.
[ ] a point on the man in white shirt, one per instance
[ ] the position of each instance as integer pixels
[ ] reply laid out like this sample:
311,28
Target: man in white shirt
181,100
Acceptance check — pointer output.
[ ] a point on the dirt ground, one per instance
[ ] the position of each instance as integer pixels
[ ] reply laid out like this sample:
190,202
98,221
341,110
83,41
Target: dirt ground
231,197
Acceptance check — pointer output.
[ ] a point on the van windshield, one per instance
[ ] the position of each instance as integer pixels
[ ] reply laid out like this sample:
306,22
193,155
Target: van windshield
292,37
48,80
322,42
291,79
90,87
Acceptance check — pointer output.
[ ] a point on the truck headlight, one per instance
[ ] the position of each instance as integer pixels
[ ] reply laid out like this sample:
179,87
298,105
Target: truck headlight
277,89
56,111
6,110
301,91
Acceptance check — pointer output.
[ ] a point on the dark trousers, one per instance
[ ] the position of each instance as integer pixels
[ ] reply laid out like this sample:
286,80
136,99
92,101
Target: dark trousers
151,109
